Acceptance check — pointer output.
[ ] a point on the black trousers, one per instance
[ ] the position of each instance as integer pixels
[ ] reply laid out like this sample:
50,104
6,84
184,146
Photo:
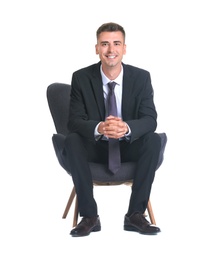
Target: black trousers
145,151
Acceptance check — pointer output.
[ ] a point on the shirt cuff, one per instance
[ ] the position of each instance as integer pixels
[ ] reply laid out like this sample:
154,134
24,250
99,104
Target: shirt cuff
97,135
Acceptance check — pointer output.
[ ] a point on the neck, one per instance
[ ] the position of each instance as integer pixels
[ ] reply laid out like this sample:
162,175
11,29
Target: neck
112,72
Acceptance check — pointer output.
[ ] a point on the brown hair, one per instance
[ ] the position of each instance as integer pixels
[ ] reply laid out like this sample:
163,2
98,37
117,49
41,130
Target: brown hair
110,27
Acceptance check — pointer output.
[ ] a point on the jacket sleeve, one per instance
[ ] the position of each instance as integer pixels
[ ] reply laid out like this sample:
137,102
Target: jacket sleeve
142,115
83,109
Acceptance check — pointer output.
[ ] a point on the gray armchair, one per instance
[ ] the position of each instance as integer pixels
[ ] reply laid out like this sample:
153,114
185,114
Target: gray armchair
58,96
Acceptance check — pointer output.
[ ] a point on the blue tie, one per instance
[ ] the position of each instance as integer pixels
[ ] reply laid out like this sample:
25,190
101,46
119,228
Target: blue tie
114,149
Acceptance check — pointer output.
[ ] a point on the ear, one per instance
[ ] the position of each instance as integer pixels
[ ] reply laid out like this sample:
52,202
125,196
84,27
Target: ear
124,49
96,48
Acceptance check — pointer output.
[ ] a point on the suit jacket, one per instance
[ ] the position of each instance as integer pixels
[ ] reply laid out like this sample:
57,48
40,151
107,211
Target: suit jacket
87,107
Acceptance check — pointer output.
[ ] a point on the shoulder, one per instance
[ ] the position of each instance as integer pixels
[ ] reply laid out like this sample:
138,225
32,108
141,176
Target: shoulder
133,70
89,70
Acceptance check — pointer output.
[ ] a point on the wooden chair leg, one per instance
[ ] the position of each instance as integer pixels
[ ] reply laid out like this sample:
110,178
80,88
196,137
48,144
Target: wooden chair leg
70,200
151,214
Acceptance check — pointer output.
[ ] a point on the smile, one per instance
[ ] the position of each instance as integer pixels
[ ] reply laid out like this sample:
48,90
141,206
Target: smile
111,56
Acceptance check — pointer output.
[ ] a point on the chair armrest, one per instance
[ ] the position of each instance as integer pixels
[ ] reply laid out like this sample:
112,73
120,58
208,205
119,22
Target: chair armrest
163,138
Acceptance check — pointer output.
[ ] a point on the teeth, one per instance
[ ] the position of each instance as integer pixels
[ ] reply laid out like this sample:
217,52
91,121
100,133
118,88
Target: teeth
111,57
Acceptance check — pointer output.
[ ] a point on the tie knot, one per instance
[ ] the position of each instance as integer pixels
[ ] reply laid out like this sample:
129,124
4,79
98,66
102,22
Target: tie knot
111,85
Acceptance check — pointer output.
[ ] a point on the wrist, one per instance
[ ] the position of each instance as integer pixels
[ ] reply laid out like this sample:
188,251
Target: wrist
100,128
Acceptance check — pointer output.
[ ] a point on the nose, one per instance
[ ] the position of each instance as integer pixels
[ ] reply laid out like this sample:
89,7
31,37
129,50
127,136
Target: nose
111,48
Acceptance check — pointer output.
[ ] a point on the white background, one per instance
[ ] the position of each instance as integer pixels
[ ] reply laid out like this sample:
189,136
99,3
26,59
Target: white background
44,42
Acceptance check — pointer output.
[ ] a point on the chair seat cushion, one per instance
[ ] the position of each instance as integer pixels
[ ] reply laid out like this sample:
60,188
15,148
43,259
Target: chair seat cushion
100,172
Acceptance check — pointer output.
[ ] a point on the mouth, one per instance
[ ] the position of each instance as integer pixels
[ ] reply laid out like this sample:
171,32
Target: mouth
111,56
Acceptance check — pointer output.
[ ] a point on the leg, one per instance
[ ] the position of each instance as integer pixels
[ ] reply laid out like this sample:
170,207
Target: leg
76,153
146,152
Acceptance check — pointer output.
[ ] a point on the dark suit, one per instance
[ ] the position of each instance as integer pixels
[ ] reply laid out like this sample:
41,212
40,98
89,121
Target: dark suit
87,109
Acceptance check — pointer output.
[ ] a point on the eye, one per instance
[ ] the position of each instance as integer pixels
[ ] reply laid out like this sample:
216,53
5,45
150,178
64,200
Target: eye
117,43
104,44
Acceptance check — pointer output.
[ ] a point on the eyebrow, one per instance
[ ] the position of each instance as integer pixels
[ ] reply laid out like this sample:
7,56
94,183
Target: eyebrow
108,42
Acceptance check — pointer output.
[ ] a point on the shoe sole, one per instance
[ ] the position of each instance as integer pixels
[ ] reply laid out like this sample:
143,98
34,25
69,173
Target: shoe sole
95,229
134,229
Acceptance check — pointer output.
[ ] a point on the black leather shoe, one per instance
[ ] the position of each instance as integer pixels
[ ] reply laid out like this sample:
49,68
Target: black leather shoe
137,222
86,226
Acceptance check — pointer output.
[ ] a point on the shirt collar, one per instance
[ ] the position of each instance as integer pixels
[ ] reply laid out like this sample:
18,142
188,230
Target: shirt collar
105,80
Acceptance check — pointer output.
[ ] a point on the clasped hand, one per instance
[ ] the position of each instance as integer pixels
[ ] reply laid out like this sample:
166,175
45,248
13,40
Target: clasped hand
113,127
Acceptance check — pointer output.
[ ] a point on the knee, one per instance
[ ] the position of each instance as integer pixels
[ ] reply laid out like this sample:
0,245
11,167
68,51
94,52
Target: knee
152,141
72,140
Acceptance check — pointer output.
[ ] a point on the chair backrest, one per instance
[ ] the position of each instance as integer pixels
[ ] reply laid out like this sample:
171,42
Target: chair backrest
58,96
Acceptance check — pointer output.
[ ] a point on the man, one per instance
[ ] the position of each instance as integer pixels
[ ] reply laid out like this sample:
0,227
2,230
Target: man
92,129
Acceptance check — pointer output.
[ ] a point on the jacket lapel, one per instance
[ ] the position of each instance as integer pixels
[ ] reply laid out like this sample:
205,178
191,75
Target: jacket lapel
126,92
97,86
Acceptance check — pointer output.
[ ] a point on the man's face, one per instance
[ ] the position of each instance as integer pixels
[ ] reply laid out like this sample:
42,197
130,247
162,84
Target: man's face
110,47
